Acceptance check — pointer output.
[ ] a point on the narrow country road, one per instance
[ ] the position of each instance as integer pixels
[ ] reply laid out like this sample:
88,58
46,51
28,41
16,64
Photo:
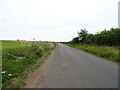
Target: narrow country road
72,68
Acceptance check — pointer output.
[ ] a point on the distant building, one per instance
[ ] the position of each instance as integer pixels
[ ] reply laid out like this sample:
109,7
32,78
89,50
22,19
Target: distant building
119,14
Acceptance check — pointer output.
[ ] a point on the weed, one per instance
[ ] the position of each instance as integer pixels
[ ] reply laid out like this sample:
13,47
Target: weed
16,57
109,52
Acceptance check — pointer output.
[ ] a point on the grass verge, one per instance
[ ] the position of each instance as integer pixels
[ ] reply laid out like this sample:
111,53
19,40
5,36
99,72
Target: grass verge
20,58
108,52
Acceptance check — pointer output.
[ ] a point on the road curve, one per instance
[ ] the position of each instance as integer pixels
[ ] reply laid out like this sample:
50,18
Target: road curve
72,68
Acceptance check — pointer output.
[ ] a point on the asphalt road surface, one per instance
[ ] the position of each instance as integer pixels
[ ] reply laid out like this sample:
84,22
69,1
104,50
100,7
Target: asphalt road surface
72,68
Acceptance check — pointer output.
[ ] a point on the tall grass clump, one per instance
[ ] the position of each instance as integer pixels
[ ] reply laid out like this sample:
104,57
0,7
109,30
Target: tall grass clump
108,52
16,61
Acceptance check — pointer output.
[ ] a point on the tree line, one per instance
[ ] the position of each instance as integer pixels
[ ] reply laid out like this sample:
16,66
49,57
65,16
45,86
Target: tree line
106,37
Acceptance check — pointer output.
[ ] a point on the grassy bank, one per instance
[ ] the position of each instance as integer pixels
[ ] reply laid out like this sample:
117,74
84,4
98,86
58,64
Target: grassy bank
108,52
20,58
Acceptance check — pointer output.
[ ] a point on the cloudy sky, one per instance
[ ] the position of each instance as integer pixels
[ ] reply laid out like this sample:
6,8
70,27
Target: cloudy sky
55,20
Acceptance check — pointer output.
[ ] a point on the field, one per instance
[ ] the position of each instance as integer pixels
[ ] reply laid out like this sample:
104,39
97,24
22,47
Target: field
108,52
20,58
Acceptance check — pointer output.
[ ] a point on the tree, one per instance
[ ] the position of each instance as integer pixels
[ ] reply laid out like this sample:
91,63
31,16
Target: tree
18,40
89,39
75,40
82,35
106,37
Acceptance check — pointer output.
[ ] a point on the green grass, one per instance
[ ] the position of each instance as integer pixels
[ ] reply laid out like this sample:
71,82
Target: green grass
13,44
108,52
32,53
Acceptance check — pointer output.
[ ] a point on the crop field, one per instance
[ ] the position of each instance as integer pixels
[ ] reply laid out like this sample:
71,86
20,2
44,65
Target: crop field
108,52
20,58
